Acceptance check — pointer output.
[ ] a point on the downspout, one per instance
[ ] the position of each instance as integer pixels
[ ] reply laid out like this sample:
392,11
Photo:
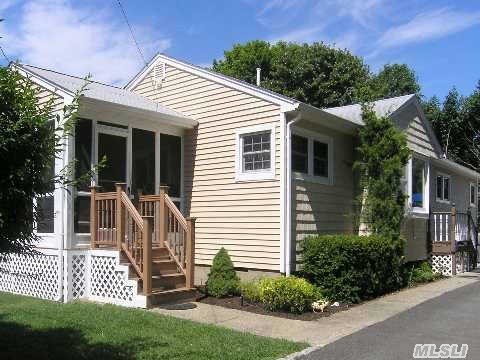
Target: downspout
288,195
64,224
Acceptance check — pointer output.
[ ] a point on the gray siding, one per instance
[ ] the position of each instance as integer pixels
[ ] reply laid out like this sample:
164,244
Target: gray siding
325,209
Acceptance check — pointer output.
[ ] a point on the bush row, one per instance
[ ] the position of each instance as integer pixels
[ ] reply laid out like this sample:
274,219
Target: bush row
350,268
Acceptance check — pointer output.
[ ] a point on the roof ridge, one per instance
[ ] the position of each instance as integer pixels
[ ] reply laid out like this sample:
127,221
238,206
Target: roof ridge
374,101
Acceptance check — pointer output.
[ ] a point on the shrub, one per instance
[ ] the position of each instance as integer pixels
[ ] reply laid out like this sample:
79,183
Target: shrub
250,291
289,294
420,273
350,268
222,279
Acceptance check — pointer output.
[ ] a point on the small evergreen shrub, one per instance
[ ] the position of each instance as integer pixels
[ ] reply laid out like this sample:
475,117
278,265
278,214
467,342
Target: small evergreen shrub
291,294
351,268
222,280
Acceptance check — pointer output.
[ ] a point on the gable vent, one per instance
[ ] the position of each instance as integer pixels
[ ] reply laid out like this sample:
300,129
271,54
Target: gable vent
158,75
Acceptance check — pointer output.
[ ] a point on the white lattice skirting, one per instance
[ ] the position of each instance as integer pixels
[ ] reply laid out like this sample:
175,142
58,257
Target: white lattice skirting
109,281
33,275
442,264
89,274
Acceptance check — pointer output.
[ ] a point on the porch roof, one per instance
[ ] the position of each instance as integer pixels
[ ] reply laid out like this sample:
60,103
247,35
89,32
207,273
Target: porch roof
108,94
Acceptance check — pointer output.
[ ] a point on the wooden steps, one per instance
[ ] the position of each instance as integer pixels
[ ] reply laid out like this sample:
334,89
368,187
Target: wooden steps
168,281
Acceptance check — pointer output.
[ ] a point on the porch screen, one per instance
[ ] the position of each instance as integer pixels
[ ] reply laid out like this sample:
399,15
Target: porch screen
83,160
143,161
45,203
171,163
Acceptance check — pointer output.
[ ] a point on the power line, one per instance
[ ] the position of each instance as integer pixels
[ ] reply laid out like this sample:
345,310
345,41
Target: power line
1,48
4,55
131,32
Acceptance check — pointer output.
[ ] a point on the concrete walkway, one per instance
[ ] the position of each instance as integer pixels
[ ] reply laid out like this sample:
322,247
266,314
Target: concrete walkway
324,330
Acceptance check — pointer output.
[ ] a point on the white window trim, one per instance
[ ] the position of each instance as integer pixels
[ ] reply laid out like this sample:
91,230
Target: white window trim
310,177
470,195
255,175
443,176
425,210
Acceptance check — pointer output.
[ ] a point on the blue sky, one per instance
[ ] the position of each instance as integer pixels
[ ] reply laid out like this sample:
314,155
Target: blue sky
439,39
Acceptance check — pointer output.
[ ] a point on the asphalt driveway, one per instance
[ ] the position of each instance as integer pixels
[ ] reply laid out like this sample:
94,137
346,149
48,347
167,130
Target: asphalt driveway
452,318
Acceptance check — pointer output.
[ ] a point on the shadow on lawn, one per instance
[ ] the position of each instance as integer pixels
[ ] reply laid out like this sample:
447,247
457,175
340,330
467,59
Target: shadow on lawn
20,342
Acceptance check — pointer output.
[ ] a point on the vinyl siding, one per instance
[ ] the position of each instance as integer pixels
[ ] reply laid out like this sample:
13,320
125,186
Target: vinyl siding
320,208
417,134
243,217
459,191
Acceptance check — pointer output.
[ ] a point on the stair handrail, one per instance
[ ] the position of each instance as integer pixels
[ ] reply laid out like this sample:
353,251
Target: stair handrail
115,222
172,230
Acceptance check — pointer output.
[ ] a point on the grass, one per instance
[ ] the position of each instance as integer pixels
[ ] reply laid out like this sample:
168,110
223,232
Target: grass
38,329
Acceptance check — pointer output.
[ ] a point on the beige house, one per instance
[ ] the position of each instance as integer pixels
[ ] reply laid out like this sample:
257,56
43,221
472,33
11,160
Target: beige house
246,169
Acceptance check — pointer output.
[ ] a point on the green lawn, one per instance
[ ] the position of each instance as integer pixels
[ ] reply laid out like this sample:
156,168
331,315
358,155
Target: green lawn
37,329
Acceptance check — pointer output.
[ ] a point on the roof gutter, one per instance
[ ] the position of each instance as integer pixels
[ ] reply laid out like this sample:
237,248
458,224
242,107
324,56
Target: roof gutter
452,165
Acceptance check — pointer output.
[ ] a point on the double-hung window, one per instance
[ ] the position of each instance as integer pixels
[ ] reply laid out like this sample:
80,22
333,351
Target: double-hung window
255,153
312,157
443,188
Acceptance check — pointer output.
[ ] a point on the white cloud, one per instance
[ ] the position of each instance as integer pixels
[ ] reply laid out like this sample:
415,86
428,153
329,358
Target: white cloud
78,41
429,25
361,11
304,34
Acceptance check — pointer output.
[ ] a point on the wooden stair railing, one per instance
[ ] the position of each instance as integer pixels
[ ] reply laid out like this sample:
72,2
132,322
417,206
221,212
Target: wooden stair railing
115,222
172,231
450,227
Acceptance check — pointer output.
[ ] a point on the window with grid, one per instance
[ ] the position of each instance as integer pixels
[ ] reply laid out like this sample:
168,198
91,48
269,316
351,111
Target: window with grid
256,151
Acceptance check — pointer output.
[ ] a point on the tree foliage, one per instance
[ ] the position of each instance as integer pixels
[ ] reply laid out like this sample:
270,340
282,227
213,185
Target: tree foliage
31,138
392,80
456,122
383,154
316,74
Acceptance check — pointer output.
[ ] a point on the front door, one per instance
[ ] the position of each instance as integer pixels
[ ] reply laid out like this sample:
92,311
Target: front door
112,147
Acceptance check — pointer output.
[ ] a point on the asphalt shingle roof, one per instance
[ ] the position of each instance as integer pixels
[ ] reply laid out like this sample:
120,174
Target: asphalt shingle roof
382,107
98,91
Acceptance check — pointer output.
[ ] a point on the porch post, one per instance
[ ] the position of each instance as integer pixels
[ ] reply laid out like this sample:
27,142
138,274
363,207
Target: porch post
453,240
93,217
190,253
147,254
162,224
120,215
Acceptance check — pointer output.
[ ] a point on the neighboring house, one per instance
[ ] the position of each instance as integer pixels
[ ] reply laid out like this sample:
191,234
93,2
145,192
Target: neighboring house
259,171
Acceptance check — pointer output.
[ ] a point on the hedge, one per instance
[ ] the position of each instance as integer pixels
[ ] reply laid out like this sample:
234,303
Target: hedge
351,268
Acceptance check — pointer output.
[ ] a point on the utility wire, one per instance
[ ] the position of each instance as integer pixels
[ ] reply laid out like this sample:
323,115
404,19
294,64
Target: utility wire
131,32
4,55
1,49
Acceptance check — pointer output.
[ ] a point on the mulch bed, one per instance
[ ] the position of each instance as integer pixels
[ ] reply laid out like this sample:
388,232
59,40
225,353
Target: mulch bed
235,302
